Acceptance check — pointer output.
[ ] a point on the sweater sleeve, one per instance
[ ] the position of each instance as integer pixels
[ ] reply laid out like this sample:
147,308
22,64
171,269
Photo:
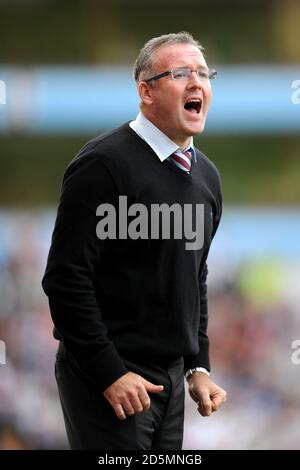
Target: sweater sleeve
71,269
202,358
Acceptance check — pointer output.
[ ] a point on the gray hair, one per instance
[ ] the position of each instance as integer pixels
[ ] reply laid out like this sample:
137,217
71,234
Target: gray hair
144,60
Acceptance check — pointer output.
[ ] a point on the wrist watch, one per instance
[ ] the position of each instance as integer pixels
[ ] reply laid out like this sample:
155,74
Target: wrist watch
196,369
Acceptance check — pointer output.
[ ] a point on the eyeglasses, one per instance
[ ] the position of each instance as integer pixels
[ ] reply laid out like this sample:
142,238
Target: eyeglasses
185,73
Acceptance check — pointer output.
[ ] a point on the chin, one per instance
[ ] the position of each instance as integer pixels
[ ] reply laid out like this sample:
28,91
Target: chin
194,130
201,126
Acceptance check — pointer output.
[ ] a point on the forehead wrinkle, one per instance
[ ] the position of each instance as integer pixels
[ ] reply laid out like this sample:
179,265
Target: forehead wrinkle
172,61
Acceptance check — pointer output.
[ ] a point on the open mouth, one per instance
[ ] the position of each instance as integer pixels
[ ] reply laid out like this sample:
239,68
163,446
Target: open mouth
193,106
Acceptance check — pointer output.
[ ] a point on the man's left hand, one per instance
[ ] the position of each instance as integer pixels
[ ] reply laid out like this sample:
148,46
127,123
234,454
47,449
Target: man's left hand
208,396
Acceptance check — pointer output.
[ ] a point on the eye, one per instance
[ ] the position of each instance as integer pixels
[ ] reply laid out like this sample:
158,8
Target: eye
180,73
202,74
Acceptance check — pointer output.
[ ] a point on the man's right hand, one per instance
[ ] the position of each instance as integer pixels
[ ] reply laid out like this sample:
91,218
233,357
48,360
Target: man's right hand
128,395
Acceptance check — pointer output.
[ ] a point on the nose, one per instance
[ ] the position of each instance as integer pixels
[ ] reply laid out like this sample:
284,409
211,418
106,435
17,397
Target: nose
195,81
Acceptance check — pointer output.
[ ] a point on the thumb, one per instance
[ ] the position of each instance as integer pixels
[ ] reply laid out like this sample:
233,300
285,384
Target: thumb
205,404
150,387
217,401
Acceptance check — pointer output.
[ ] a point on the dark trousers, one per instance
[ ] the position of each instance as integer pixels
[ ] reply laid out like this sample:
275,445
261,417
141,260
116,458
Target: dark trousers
91,422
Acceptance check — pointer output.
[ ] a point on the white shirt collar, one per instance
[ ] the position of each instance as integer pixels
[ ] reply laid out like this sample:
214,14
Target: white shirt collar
160,143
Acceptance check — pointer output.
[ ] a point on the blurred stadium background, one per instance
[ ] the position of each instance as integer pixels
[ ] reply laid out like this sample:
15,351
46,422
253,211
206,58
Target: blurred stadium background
67,71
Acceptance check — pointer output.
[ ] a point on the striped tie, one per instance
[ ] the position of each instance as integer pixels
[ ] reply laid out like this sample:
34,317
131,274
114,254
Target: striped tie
183,159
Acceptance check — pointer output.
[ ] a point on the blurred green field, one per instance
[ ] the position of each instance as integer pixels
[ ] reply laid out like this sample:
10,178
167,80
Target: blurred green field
256,31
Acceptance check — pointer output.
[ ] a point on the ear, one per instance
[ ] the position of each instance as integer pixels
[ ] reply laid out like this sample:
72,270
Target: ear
145,93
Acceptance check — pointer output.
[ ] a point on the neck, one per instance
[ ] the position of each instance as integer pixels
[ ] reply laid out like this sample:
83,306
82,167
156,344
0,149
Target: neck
181,142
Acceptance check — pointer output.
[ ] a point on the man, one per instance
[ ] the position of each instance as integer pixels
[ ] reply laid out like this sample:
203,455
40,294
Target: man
128,297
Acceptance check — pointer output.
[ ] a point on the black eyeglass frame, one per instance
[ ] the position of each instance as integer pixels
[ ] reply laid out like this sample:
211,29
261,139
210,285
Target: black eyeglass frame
212,73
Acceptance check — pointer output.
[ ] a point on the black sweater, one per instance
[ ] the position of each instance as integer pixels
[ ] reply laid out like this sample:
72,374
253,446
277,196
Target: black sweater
143,298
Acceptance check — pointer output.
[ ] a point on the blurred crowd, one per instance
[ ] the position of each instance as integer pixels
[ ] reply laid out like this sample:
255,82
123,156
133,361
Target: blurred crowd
30,416
251,348
253,322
